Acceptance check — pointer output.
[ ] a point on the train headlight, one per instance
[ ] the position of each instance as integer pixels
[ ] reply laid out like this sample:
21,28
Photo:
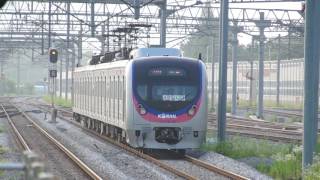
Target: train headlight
192,110
142,110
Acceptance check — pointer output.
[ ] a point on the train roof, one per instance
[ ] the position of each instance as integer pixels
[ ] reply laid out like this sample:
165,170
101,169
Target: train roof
114,64
123,63
147,52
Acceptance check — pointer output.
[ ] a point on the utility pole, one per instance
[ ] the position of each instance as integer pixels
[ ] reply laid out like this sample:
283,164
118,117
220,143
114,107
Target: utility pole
222,92
261,24
93,26
80,46
251,73
108,36
49,24
60,75
289,43
278,69
235,31
212,74
42,33
73,67
311,80
163,23
18,75
67,52
103,39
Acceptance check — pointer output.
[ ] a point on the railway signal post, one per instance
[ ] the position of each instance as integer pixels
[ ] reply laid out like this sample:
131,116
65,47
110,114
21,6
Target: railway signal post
53,58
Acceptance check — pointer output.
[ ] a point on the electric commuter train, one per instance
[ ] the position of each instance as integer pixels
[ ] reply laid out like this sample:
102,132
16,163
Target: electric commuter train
154,99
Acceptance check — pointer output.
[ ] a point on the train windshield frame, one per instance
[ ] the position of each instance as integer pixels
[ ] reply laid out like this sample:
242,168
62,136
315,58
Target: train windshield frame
167,85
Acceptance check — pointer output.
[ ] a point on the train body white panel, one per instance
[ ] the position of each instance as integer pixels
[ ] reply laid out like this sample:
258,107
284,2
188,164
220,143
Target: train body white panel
99,92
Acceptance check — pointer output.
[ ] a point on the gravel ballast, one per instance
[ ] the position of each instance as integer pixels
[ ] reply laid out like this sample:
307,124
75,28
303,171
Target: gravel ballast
54,159
233,165
11,149
118,164
107,160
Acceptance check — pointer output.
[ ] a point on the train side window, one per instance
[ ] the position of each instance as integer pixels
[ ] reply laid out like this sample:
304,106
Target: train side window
75,95
86,89
124,98
82,86
101,86
105,94
118,97
86,94
109,98
98,94
83,92
94,93
91,92
80,91
114,97
100,98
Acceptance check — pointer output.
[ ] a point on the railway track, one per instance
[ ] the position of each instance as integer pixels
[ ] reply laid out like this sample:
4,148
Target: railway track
284,113
186,175
19,128
279,132
259,129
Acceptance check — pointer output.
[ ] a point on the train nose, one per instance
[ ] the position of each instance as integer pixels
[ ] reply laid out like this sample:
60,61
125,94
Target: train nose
169,135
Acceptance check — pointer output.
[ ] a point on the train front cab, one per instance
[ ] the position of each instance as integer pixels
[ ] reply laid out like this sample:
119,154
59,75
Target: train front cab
170,103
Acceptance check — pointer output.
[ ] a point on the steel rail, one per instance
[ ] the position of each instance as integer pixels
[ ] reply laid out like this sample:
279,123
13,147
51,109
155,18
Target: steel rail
72,156
129,149
265,124
188,158
234,130
15,130
143,155
200,163
264,129
258,135
215,169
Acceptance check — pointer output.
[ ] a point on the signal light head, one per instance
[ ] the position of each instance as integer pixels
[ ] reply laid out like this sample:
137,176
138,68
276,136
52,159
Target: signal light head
53,55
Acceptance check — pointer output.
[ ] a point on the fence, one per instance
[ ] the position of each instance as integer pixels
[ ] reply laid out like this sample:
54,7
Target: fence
291,80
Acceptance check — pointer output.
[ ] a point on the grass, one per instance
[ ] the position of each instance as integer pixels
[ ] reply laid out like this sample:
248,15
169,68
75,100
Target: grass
285,166
286,158
313,172
58,101
241,147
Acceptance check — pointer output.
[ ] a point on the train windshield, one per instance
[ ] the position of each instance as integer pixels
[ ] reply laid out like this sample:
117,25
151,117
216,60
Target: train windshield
167,88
